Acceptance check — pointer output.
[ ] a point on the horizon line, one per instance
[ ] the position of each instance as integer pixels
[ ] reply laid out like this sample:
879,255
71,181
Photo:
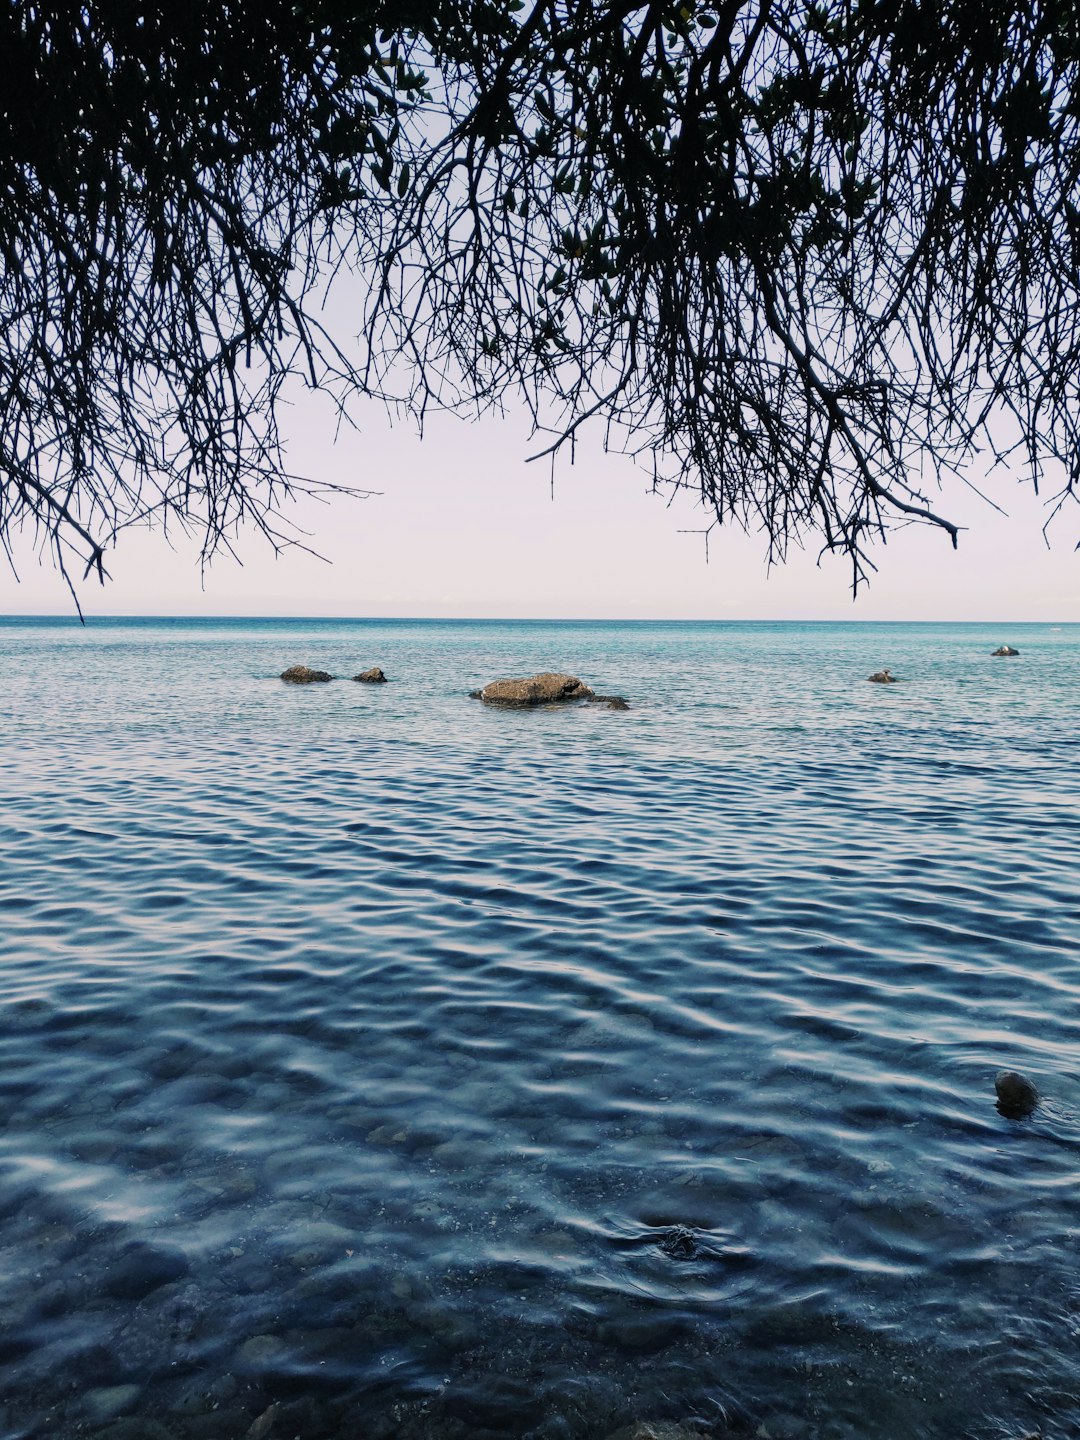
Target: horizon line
86,620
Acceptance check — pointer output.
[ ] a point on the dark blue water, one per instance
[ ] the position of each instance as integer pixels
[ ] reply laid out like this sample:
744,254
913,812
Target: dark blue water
374,1063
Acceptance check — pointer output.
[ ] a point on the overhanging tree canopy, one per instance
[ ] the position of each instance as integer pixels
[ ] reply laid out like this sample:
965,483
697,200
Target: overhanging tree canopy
806,258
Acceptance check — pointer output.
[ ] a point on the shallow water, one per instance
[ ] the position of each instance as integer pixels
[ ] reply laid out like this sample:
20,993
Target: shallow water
373,1062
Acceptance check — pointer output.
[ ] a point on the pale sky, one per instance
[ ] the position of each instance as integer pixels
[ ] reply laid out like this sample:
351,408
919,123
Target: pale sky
463,526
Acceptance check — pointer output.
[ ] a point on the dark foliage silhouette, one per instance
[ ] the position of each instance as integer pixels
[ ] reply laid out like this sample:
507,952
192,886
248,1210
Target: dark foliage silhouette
804,259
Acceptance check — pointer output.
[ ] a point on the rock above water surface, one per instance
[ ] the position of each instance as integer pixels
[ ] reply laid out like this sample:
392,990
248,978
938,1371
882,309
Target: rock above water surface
544,689
374,676
1004,650
547,688
678,1243
304,675
1017,1096
883,677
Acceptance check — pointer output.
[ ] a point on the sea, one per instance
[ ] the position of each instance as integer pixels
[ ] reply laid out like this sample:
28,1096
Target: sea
376,1063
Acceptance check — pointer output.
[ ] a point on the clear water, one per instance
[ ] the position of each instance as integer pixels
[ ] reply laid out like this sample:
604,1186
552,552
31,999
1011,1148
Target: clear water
375,1063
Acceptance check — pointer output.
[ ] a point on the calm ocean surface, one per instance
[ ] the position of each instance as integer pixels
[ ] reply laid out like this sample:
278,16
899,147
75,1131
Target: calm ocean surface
376,1064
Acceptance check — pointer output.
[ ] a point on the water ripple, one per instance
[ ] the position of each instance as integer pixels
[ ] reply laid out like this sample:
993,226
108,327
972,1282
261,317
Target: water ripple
538,1073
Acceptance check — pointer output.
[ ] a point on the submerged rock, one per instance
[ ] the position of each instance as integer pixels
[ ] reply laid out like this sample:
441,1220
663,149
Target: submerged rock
1017,1096
374,676
264,1423
135,1427
883,677
261,1352
1004,650
613,702
544,689
656,1430
106,1402
642,1332
142,1269
304,675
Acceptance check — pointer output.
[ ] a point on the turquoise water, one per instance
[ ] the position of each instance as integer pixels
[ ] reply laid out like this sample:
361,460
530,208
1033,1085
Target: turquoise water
376,1063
